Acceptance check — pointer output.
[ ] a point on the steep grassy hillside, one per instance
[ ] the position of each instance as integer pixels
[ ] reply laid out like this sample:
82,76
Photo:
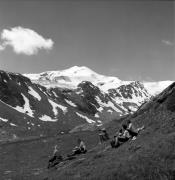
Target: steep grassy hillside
150,157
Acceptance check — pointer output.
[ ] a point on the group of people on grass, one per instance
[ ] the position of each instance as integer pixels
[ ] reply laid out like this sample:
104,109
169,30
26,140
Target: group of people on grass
128,131
57,157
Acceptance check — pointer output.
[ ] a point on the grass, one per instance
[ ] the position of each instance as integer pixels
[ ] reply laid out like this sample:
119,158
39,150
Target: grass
150,157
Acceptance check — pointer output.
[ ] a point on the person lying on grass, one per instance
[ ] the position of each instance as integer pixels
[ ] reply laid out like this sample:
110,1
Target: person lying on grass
56,158
81,148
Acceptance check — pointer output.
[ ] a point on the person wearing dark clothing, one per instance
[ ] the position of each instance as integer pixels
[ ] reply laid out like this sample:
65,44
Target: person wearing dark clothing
56,158
103,135
121,137
127,132
81,148
115,142
125,136
132,130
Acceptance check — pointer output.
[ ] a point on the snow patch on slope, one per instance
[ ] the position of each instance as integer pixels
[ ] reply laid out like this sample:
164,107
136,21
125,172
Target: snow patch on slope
135,99
63,108
34,93
86,118
132,108
13,124
108,104
55,106
47,118
4,120
55,94
100,109
110,111
96,115
26,108
70,103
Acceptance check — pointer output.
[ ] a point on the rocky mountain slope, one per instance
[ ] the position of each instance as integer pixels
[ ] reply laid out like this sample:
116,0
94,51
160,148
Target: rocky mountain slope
31,109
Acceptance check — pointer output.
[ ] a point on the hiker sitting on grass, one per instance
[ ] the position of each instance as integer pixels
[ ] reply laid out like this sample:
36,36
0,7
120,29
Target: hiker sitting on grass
103,135
115,141
121,137
132,130
56,158
81,148
126,134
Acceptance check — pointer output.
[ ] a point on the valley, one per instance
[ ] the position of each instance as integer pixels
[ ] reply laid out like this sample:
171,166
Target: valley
35,118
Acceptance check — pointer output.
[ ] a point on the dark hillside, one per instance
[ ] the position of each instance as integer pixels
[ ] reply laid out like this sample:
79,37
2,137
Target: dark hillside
150,156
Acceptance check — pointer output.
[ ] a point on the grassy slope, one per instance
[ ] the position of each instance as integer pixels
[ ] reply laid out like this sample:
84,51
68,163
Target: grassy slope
150,156
23,159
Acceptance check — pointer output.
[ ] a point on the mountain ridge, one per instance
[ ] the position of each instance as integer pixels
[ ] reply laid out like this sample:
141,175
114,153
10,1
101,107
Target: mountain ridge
59,109
71,77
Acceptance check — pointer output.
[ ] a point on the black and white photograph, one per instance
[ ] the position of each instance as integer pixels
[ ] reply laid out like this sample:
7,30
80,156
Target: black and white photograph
87,90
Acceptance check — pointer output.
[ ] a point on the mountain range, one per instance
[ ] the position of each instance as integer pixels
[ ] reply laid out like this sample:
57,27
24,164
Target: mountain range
66,101
70,78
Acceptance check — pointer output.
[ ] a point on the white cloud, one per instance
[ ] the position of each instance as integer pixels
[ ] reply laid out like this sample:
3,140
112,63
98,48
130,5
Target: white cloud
24,41
2,47
168,43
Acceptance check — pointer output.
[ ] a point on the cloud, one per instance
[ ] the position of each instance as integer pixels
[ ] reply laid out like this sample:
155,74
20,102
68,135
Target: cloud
24,41
2,47
168,43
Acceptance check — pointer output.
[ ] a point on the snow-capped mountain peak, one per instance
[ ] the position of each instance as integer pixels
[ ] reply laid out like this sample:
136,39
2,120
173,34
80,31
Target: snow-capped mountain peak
156,87
70,78
85,97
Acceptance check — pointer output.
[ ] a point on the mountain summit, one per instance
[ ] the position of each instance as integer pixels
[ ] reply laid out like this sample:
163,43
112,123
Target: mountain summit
70,78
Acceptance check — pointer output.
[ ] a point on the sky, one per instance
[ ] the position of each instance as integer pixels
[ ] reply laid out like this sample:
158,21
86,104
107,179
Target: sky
132,40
